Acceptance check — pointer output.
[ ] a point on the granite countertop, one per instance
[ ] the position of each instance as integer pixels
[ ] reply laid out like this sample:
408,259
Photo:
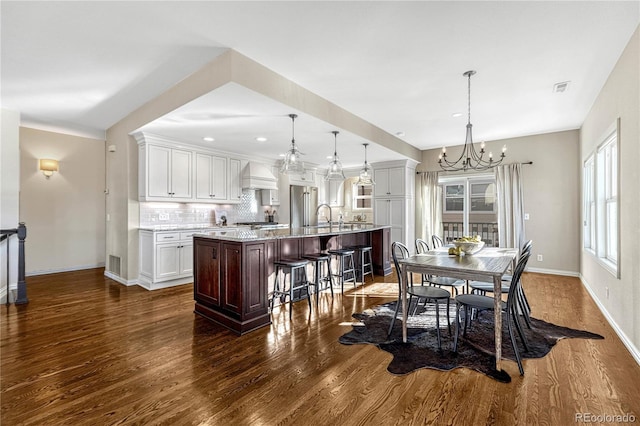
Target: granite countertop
185,227
242,235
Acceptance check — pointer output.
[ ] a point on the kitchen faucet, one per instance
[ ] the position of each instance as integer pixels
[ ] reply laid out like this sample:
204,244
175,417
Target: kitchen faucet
330,212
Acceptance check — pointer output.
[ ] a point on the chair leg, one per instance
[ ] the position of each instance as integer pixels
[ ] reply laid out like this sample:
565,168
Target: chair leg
438,324
516,319
393,320
448,320
514,343
455,338
330,276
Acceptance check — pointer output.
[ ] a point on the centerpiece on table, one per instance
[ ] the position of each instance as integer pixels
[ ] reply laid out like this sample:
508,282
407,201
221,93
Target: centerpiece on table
467,245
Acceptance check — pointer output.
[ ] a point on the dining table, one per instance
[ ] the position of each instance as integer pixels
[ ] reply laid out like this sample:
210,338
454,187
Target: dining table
489,264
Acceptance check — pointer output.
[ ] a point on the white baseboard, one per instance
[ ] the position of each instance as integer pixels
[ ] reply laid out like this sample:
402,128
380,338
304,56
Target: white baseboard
146,284
57,270
635,353
553,272
119,279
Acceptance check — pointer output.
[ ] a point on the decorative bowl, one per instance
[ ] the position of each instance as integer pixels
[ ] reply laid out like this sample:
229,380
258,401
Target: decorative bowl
469,247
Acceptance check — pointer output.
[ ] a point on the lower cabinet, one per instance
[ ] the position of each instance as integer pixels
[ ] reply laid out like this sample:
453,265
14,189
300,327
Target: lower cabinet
231,282
166,258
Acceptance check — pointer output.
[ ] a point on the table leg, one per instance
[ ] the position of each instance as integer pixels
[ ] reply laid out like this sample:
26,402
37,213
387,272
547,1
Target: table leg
497,312
403,286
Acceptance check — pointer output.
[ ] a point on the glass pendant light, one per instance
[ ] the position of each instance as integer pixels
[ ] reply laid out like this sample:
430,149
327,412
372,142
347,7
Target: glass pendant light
293,158
366,173
335,166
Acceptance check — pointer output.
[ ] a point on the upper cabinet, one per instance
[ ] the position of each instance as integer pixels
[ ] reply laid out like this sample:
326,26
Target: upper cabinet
308,178
271,197
235,180
211,177
171,174
390,182
167,173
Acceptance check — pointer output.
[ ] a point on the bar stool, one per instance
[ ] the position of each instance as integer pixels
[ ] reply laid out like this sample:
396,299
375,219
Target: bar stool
346,266
363,254
290,266
319,260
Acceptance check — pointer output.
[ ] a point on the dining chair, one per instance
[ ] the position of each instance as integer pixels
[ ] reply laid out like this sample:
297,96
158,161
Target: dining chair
428,293
509,309
453,283
436,241
482,288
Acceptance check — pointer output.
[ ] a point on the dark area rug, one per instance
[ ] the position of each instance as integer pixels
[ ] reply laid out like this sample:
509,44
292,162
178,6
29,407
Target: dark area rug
475,351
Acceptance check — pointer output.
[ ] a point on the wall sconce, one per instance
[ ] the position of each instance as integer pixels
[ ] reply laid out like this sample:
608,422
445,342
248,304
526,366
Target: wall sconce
47,167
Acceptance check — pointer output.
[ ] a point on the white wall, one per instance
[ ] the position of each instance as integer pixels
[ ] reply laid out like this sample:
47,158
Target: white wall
619,98
550,195
9,190
64,215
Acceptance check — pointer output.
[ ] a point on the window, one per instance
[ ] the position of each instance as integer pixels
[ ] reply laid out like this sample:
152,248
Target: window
600,207
589,207
362,196
608,198
482,197
469,208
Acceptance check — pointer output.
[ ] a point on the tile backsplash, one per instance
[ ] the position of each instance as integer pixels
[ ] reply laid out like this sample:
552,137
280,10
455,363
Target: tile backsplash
159,214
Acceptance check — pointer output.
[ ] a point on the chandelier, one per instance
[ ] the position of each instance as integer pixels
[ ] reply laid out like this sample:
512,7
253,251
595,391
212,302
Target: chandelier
335,166
293,158
469,159
366,173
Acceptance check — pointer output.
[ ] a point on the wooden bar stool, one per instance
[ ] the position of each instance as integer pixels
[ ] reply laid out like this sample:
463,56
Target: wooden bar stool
319,260
290,266
346,266
365,265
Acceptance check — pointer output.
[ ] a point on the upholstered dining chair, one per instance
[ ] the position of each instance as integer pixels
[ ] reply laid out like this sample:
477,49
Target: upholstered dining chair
453,283
428,293
509,309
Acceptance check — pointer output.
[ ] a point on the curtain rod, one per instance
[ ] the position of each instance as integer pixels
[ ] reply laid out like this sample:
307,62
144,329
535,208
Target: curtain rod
526,162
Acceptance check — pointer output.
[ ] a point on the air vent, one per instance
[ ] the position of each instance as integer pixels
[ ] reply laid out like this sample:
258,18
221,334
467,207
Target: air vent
114,264
561,87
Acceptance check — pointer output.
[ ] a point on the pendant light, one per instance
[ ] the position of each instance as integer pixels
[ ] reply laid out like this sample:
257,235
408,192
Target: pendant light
292,164
335,166
469,159
366,173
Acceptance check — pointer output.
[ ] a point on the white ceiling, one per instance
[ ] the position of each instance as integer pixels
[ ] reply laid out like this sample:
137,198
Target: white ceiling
79,67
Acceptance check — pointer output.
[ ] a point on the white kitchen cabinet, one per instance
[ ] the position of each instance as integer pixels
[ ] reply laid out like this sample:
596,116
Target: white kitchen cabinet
164,173
392,212
389,182
235,181
211,178
271,197
308,178
336,193
166,258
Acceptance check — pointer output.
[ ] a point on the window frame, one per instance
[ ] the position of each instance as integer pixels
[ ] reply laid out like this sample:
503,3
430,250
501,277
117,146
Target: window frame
606,244
589,204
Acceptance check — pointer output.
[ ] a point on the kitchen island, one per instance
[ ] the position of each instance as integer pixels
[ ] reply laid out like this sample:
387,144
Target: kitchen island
233,273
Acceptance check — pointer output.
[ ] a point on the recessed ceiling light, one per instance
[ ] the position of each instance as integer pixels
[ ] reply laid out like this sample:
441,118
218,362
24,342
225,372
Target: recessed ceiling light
400,134
456,114
281,155
261,139
208,139
329,157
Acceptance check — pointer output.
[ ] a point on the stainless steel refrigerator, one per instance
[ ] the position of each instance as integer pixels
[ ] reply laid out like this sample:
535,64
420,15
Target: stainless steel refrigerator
303,203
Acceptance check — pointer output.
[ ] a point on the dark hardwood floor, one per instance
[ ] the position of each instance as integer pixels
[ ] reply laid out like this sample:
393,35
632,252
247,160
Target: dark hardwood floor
87,350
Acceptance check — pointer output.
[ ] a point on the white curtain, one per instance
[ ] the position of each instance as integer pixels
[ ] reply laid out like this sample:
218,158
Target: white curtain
510,205
431,214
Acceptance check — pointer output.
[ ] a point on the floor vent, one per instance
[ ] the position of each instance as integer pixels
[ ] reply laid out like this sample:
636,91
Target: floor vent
114,264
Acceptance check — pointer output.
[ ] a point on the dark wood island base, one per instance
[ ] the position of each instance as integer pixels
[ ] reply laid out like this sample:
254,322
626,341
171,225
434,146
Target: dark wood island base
233,272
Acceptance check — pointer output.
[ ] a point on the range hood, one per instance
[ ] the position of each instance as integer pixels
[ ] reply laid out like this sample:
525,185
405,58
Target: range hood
258,176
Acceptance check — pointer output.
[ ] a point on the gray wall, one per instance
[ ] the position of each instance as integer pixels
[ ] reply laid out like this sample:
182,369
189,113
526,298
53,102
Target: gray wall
619,98
551,198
